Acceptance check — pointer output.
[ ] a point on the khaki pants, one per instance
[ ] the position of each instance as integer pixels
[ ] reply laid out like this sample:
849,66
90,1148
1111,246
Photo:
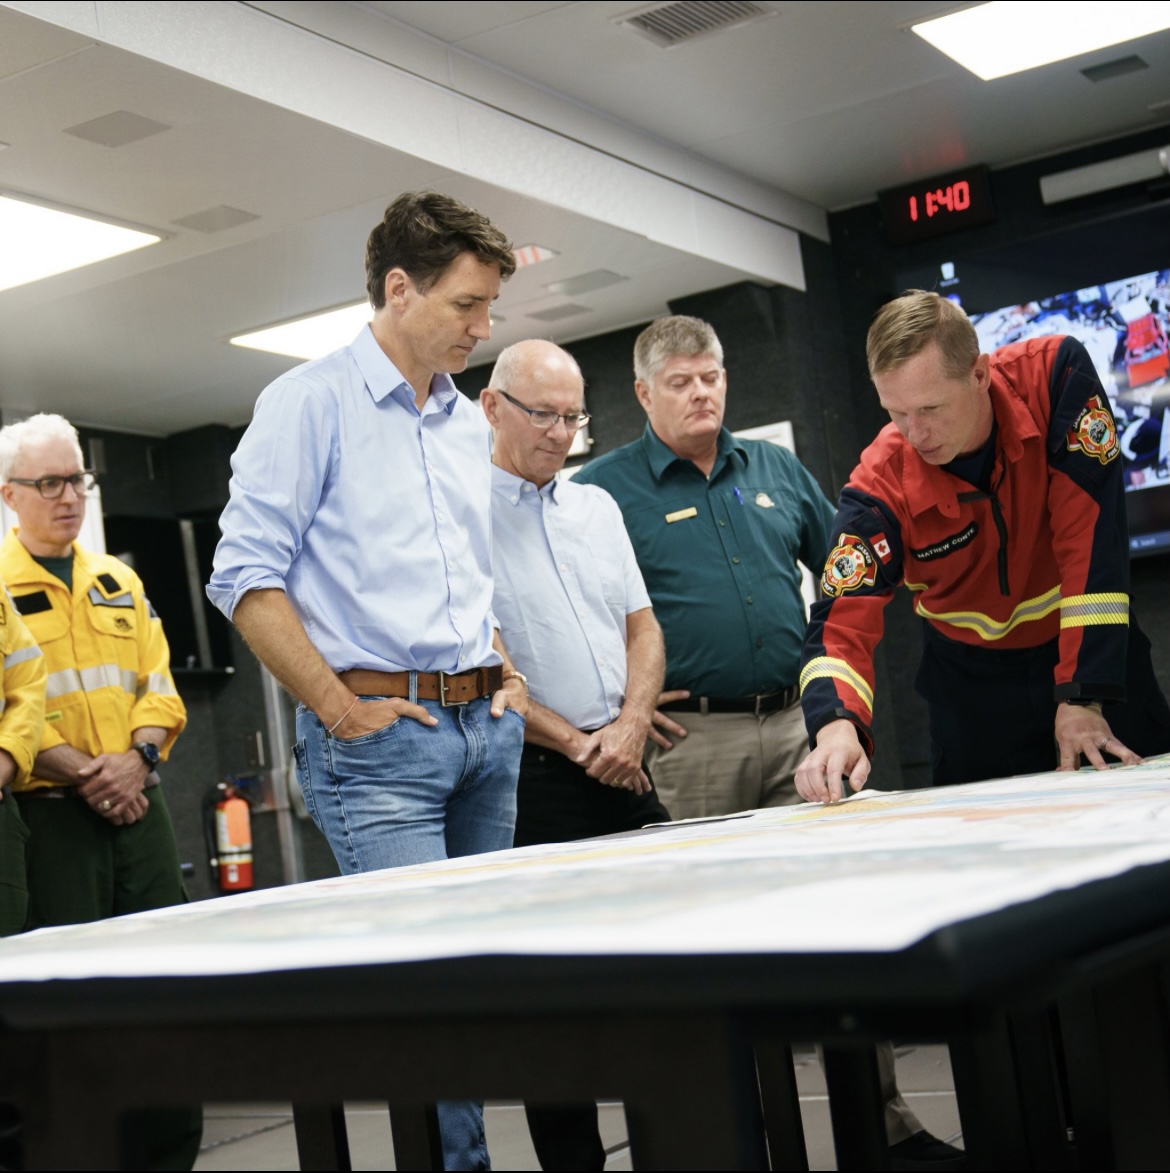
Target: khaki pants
731,762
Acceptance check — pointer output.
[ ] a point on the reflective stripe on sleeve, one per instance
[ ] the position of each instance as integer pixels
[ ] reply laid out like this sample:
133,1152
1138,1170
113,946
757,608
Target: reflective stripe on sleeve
831,667
69,680
1092,610
985,626
158,683
3,706
21,655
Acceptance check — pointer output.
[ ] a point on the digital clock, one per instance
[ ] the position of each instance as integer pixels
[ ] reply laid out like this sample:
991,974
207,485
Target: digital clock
933,207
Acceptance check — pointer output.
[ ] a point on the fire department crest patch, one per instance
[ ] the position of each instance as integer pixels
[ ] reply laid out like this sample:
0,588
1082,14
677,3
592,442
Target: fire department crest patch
848,567
1095,433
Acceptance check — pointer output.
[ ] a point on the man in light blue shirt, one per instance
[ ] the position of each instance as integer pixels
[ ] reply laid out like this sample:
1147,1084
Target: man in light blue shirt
356,562
576,617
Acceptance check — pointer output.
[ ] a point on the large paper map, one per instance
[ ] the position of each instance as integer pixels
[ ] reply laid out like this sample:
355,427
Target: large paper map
875,873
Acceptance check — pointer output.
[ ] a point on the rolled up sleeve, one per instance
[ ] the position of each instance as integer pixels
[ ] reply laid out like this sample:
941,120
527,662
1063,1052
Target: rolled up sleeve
278,475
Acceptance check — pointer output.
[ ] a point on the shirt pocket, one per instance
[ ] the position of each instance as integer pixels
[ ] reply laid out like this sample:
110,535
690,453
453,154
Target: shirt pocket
120,622
47,626
606,564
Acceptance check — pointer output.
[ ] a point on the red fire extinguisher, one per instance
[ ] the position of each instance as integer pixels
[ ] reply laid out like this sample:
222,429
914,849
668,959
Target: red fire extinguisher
232,862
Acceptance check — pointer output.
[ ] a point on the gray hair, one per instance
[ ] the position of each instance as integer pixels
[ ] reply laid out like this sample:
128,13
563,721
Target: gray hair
43,426
675,337
511,362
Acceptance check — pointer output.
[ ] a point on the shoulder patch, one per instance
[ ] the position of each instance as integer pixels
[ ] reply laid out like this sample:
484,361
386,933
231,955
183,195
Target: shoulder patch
849,567
1094,433
33,604
110,584
945,546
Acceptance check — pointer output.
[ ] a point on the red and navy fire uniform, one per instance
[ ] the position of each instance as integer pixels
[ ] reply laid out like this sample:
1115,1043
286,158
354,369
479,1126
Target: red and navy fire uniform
1023,580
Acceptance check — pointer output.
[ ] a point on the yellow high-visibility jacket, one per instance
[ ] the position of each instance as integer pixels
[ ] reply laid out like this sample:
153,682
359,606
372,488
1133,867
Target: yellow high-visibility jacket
105,652
22,691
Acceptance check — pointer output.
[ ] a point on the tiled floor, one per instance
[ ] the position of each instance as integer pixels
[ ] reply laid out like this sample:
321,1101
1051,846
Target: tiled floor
260,1136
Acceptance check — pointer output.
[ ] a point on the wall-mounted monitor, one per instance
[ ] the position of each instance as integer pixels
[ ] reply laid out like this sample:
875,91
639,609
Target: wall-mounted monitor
1124,325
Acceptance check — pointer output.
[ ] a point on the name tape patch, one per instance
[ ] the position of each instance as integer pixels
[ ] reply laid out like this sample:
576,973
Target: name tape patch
681,514
947,545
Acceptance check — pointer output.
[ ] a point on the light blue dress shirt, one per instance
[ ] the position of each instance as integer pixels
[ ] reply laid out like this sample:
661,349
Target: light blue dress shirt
566,578
374,518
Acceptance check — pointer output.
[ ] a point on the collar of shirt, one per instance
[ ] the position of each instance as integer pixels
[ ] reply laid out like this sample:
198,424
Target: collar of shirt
514,489
660,457
384,378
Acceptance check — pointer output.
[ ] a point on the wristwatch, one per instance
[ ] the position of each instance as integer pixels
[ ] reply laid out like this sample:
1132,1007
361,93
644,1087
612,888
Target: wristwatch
150,753
512,674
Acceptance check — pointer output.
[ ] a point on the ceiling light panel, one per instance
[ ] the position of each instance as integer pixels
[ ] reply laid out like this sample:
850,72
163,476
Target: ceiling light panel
38,242
586,282
997,39
559,312
311,337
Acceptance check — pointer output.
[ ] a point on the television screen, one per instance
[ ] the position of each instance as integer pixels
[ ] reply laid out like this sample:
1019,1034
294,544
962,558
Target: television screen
1123,325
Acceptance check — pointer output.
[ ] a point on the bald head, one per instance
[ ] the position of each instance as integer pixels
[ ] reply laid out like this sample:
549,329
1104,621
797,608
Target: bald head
538,376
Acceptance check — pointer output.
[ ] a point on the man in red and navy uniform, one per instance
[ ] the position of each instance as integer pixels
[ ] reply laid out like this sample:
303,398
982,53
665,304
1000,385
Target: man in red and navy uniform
996,495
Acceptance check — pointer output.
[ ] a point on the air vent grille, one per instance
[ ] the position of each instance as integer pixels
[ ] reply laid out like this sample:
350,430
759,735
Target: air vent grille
684,20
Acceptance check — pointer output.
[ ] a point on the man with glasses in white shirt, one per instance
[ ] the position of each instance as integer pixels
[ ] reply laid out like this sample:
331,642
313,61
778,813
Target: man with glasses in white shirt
576,618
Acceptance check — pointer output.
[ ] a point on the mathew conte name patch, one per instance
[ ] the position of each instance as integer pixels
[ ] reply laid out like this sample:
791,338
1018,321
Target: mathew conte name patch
681,514
947,545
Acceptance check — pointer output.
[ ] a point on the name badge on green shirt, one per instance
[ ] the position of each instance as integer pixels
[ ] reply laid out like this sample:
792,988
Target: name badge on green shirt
681,514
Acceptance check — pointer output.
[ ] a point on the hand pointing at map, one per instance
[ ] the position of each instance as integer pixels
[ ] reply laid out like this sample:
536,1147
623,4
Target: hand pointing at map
838,754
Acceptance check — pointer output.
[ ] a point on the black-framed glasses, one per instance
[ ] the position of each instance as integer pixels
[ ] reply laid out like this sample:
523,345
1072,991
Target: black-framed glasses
539,418
52,487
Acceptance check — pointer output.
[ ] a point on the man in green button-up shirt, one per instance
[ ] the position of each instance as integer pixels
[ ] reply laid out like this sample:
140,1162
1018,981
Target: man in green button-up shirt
718,525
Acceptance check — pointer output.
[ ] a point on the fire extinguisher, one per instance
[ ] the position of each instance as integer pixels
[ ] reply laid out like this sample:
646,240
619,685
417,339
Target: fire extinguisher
228,827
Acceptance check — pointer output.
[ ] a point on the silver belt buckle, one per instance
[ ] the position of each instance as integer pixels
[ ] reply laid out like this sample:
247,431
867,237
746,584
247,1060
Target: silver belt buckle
443,701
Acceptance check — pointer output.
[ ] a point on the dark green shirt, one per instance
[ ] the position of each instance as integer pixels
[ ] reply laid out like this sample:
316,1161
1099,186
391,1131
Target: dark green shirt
719,556
61,568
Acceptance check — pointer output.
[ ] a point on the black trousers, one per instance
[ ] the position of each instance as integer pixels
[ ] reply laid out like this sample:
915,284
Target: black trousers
556,802
992,710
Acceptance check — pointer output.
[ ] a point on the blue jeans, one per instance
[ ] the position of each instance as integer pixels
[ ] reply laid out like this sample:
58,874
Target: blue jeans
412,793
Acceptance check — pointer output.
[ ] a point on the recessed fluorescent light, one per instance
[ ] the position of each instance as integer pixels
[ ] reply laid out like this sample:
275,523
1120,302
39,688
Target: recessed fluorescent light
311,337
532,254
586,282
40,242
997,39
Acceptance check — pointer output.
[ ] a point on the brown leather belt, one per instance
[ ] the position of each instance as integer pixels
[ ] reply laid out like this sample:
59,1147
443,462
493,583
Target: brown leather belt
445,687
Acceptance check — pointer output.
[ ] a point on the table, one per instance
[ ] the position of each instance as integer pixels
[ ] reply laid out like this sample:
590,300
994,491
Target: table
668,969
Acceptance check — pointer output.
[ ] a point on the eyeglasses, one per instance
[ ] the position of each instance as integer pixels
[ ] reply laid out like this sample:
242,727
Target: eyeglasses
52,487
574,420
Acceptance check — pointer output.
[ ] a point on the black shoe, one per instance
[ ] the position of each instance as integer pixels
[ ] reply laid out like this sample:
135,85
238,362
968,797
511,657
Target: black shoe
923,1151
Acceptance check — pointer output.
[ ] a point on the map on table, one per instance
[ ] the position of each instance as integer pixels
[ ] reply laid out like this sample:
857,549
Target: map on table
785,880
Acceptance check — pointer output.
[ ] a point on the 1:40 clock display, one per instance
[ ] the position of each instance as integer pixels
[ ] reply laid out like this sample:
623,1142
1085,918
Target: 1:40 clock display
935,206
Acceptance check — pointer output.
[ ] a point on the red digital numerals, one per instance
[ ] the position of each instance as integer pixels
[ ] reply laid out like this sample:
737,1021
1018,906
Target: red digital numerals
955,197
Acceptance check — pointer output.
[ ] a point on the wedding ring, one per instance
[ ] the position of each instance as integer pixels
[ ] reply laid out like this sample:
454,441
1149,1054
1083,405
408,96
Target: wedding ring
106,804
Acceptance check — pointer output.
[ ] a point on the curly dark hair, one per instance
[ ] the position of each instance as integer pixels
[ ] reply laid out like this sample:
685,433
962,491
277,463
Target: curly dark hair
421,233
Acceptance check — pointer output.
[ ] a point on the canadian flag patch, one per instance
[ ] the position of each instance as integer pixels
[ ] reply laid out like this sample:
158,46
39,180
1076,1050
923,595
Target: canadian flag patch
881,547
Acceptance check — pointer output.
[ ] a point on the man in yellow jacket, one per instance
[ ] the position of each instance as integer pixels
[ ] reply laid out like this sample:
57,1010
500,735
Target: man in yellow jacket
100,842
22,720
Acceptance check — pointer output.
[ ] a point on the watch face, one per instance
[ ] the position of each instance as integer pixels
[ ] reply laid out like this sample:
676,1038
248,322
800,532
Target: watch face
150,753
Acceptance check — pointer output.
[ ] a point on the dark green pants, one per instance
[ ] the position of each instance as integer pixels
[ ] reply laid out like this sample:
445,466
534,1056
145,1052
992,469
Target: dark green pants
83,868
13,887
